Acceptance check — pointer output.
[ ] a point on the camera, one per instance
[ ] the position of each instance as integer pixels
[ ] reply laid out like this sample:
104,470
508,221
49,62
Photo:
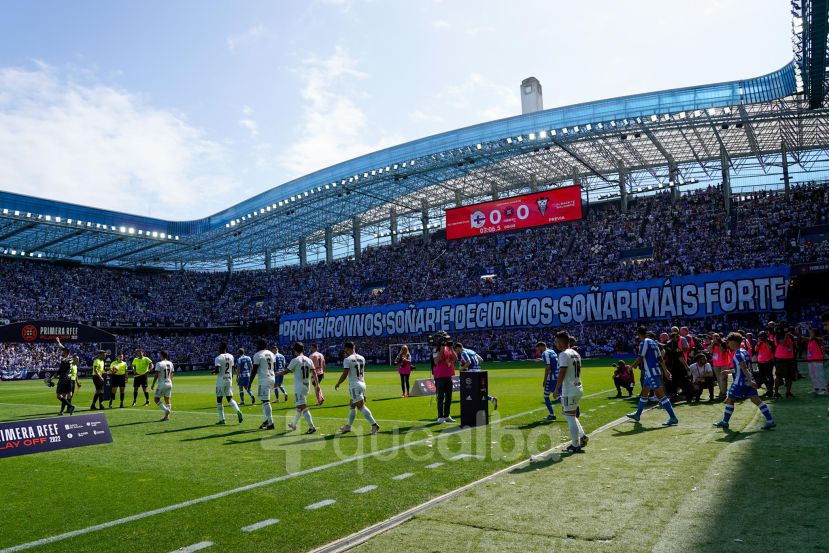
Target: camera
440,339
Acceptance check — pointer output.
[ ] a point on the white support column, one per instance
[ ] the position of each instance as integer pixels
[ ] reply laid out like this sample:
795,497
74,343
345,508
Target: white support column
784,155
393,226
303,252
623,190
673,178
726,180
458,199
268,264
329,245
533,184
424,218
355,235
494,190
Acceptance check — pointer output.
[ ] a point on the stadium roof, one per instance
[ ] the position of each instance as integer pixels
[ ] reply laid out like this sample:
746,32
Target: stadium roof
657,140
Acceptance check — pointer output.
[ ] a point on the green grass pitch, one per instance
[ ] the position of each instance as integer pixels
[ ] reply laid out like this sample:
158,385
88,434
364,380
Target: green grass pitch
207,483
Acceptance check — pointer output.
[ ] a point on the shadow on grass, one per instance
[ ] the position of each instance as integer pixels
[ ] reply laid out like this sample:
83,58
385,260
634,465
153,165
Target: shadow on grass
216,436
534,424
637,428
185,429
133,423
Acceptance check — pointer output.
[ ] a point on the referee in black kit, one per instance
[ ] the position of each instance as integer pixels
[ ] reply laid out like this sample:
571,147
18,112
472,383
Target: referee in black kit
64,391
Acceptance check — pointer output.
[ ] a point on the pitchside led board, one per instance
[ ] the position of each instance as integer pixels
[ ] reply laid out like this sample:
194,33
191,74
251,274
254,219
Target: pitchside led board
519,212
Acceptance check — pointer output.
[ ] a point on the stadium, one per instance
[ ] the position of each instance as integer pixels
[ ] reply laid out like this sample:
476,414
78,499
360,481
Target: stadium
512,309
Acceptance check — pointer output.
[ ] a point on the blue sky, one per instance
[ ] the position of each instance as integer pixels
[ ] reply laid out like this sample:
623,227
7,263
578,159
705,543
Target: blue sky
177,109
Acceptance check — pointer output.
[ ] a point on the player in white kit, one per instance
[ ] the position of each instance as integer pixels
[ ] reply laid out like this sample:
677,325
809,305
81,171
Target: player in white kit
164,377
570,390
303,369
223,369
263,363
354,369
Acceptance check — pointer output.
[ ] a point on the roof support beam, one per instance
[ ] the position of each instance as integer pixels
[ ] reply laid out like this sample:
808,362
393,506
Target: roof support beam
58,240
752,138
578,158
17,231
95,247
133,252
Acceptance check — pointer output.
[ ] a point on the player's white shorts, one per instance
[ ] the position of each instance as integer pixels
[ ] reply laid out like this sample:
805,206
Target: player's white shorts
224,388
301,397
357,392
163,390
263,392
571,401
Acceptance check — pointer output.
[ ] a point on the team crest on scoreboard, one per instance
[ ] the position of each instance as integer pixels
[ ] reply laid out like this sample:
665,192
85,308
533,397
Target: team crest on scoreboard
542,204
477,219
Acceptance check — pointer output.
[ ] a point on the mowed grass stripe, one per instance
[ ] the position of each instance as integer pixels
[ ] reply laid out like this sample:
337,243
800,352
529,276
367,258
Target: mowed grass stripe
214,451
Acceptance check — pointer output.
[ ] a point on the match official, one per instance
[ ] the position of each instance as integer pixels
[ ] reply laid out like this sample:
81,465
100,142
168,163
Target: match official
118,370
141,365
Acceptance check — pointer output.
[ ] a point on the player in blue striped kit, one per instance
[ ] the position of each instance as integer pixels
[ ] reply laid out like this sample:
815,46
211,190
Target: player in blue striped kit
280,366
744,386
549,357
471,361
653,368
243,366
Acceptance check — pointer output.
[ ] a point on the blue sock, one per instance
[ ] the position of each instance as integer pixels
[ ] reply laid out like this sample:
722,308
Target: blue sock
242,393
250,394
643,402
666,404
729,410
549,404
282,389
765,410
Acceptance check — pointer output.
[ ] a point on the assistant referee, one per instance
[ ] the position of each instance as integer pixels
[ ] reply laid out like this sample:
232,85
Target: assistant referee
118,370
98,380
141,365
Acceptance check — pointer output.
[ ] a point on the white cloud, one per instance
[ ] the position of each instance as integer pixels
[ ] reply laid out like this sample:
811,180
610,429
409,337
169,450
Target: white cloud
104,147
440,24
420,116
333,128
485,99
246,38
248,122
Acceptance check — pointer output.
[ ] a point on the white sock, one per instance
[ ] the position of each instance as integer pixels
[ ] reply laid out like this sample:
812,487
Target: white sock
221,409
367,414
578,425
308,419
352,413
235,405
297,416
268,411
573,426
162,406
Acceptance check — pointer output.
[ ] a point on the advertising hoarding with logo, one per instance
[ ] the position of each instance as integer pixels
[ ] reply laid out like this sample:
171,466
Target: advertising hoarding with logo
530,210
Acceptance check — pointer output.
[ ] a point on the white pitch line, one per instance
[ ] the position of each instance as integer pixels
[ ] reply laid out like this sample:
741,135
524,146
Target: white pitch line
259,525
195,547
402,476
365,489
320,504
434,465
253,486
465,456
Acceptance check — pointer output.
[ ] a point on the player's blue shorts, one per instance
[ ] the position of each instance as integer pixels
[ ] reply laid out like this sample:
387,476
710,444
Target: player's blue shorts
742,392
651,382
243,381
549,385
277,380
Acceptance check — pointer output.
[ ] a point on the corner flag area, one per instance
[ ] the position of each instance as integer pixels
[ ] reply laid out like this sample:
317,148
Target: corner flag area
219,488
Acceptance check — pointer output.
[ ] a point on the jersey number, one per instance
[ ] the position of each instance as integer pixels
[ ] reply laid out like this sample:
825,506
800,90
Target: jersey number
306,372
358,368
577,368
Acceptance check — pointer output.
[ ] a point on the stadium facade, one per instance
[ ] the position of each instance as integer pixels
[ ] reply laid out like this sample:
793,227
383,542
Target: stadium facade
771,130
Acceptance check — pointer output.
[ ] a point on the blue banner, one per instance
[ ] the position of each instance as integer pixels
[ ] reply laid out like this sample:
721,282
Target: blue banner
687,297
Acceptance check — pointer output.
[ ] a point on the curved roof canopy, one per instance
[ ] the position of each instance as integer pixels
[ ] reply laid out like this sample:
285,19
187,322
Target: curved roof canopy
666,136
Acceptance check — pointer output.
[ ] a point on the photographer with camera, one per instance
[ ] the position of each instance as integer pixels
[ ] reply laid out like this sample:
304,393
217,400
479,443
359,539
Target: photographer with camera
785,363
764,353
443,369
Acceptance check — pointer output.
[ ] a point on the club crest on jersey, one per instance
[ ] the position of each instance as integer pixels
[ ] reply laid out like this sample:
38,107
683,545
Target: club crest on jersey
477,219
542,204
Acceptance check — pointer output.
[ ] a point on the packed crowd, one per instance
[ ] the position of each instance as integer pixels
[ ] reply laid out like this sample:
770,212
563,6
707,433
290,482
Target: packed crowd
692,235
